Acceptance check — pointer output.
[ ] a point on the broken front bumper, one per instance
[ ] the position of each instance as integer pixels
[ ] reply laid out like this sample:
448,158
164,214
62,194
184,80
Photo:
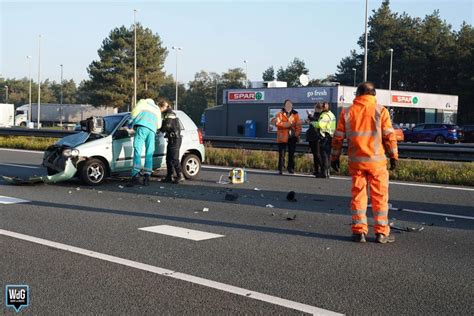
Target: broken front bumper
68,173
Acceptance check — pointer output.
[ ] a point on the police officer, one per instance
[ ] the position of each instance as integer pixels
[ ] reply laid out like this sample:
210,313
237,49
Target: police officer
326,125
171,127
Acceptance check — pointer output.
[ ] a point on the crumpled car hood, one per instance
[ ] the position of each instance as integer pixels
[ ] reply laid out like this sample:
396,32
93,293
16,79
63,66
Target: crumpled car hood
74,140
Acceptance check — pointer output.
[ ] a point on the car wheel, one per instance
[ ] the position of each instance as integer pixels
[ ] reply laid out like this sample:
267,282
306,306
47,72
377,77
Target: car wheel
23,124
439,139
93,172
191,165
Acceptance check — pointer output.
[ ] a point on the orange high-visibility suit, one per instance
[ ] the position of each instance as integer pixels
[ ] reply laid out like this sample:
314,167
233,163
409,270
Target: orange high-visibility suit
288,131
287,126
370,135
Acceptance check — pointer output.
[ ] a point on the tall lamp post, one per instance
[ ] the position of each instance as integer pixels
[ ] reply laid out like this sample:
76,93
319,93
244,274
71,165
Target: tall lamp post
134,57
246,74
355,71
177,49
366,26
390,77
39,80
29,90
61,108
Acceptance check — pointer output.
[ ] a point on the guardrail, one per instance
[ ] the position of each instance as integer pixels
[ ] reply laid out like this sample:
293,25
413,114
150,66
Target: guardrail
447,152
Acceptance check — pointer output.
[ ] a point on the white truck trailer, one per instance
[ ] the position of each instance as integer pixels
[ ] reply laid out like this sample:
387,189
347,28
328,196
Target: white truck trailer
54,114
7,115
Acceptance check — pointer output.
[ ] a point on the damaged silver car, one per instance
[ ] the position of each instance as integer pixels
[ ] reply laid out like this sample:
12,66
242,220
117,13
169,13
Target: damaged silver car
104,147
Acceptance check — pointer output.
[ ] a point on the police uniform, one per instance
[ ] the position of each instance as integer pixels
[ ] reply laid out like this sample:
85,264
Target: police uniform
171,127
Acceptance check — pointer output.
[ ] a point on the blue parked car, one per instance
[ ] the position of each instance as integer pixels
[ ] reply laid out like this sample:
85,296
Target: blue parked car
433,132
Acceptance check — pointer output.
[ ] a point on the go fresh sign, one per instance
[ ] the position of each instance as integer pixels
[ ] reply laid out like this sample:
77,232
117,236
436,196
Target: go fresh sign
245,96
405,99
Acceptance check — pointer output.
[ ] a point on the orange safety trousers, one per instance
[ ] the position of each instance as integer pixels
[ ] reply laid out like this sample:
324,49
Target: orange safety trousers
377,179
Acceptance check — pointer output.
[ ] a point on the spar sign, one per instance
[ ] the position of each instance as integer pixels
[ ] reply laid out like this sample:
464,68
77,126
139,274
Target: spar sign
404,99
246,96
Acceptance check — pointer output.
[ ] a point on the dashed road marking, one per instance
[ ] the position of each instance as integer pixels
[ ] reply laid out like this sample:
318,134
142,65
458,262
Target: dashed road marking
175,275
180,232
431,213
11,200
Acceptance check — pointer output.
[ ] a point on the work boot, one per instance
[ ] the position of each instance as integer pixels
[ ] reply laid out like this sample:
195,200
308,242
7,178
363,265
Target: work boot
135,180
280,172
382,239
358,237
291,171
168,179
179,178
146,180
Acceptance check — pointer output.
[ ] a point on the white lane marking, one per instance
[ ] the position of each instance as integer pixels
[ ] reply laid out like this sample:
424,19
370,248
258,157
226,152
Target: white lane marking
431,186
431,213
180,232
23,151
175,275
11,200
19,166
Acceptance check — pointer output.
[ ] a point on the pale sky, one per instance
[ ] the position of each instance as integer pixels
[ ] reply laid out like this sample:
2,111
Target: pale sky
216,35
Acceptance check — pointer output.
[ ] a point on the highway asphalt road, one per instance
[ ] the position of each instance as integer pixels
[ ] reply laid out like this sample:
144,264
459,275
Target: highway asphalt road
80,249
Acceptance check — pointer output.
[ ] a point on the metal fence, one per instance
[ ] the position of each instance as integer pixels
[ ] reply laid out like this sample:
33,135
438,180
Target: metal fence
426,151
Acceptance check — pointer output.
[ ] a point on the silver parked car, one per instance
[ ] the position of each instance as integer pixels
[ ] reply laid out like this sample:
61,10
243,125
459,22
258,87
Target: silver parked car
92,156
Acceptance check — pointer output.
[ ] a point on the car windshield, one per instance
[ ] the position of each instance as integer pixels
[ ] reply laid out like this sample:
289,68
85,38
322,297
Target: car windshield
111,123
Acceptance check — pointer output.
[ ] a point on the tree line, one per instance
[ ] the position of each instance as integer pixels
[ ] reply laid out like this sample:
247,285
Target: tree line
428,56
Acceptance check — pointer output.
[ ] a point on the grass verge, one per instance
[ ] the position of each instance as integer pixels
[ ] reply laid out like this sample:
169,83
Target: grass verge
455,173
23,142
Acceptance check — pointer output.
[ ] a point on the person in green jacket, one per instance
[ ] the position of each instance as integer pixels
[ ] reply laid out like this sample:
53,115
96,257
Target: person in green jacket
326,124
145,120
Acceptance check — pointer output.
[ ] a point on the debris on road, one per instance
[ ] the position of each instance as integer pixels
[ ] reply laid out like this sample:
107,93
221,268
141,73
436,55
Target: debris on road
70,192
269,206
121,186
231,196
449,219
68,173
291,196
205,209
406,228
222,181
78,189
256,189
291,218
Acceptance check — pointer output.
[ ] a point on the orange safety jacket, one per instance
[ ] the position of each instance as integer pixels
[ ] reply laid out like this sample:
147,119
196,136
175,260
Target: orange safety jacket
286,125
369,133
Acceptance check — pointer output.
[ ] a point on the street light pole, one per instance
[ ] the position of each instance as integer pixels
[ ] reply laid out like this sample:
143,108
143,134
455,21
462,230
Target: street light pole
29,90
61,108
366,36
390,77
39,80
134,58
177,49
355,71
246,74
61,84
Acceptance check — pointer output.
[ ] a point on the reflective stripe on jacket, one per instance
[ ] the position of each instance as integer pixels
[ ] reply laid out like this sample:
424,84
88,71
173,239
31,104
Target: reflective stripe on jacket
286,125
369,134
326,123
147,114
